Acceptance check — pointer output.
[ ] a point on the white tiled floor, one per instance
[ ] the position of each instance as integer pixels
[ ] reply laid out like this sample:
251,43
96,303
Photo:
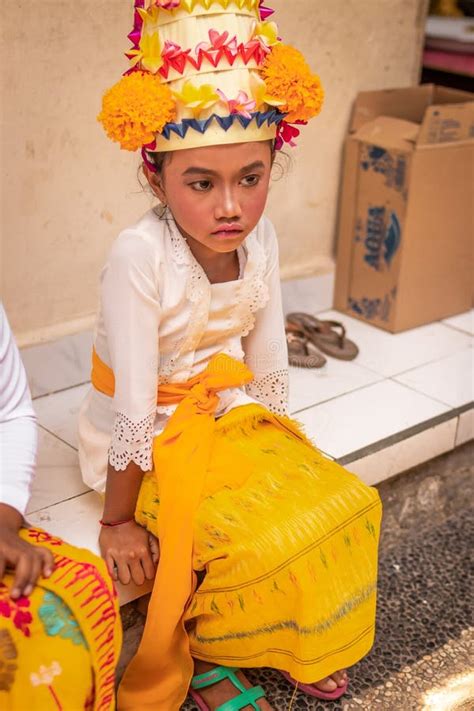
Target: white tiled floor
58,412
463,322
398,382
75,519
59,365
312,386
57,473
449,380
356,420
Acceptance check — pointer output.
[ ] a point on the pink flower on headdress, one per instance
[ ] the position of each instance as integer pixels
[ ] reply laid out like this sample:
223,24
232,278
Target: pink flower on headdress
174,56
216,40
286,133
242,105
217,43
167,4
171,50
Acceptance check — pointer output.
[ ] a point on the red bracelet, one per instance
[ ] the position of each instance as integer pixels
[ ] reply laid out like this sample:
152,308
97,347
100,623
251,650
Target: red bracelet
114,523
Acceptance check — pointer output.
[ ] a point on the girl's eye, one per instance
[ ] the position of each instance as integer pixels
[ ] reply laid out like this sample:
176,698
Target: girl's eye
201,186
250,180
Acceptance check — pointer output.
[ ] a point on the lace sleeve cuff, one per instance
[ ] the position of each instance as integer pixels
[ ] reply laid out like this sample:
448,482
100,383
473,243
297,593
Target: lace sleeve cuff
132,442
271,390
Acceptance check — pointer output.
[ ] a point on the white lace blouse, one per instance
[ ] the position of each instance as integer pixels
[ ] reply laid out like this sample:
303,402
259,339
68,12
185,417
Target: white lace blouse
161,320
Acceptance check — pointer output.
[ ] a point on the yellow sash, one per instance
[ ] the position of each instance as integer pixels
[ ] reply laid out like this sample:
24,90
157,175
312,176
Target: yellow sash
159,675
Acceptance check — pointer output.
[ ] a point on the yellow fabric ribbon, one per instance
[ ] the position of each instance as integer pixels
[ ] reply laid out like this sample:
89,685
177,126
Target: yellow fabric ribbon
159,675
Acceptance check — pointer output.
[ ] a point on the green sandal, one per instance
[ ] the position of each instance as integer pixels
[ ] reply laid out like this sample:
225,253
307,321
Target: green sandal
247,697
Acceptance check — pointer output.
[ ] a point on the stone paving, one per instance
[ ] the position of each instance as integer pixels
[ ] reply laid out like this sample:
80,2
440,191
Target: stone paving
422,659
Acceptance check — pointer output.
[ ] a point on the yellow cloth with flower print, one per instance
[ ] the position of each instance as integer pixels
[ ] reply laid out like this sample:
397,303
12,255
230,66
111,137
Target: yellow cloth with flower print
59,646
287,540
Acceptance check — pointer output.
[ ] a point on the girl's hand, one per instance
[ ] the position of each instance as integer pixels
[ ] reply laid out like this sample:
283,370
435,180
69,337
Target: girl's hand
28,561
130,552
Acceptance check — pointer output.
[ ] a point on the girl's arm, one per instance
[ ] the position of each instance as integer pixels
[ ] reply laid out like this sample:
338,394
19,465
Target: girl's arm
18,440
131,311
265,348
130,552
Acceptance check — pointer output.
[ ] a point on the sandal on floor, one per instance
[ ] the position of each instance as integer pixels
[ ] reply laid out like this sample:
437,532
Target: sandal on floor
328,336
311,690
302,352
247,697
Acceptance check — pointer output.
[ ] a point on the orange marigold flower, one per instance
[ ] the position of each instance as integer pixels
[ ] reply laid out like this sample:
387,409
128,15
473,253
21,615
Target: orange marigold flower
135,109
288,77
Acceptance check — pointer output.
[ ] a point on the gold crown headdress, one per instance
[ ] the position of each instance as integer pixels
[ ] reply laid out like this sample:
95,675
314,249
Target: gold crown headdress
207,72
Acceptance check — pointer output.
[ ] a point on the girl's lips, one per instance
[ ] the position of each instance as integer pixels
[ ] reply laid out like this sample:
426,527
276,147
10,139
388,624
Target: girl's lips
227,232
229,227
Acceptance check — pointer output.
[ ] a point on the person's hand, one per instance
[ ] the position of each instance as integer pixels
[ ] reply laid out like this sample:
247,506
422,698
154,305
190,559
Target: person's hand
28,561
130,552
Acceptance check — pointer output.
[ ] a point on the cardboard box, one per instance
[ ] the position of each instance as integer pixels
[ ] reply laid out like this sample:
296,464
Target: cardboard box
406,221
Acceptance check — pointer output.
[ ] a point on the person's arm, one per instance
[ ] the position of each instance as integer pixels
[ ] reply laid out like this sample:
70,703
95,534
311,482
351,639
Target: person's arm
265,348
18,441
131,553
131,311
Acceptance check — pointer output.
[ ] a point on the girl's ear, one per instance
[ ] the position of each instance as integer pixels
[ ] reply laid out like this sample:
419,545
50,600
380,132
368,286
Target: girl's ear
156,183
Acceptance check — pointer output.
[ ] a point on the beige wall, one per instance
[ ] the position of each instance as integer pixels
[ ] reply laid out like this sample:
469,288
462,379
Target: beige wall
66,191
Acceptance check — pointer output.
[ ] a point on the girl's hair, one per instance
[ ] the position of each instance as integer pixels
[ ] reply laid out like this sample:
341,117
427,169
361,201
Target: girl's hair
158,160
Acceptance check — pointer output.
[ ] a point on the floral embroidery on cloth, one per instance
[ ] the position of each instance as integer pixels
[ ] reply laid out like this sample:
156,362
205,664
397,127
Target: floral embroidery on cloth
8,655
45,675
16,610
59,647
57,619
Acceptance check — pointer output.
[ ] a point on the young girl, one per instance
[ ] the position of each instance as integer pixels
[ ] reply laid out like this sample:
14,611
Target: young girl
267,550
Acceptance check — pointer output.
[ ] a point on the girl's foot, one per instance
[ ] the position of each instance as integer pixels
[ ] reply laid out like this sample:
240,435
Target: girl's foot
331,683
224,690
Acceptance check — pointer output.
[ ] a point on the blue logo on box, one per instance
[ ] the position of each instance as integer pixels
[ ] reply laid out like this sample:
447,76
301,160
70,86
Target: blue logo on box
392,240
383,237
391,165
370,309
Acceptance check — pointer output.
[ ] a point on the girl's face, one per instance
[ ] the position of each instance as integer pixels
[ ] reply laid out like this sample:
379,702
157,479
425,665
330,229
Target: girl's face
217,194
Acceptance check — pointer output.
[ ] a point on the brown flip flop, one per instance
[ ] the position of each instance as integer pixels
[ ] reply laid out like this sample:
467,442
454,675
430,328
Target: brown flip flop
302,353
328,336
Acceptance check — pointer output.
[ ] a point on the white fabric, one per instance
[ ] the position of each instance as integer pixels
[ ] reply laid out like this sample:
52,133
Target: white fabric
161,320
18,433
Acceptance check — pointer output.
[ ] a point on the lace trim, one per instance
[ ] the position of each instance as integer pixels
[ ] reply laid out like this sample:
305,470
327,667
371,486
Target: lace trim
132,442
253,293
197,291
271,390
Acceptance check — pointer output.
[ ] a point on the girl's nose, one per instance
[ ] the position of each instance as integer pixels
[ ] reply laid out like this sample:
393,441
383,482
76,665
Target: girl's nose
228,206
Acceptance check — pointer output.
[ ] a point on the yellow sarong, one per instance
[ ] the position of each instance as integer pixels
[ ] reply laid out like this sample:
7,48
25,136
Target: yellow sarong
287,540
59,646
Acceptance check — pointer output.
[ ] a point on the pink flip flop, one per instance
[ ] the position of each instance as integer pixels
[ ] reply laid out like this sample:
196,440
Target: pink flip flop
317,693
